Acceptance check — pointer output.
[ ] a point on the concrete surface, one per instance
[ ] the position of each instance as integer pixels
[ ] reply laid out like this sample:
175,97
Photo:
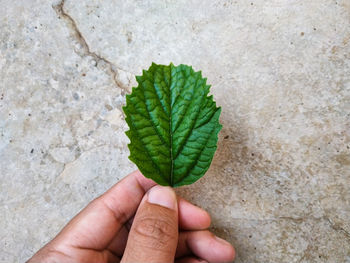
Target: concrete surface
279,186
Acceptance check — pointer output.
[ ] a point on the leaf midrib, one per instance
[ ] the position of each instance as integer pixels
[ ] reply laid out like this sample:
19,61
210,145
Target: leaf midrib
178,125
170,123
170,132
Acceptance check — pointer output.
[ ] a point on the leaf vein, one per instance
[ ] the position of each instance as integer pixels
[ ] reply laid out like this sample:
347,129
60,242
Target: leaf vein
200,153
154,125
146,151
189,134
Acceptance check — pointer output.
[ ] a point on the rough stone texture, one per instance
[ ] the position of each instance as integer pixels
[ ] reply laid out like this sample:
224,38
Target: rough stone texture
278,187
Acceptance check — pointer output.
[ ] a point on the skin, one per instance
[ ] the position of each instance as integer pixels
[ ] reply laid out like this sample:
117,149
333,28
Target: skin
128,224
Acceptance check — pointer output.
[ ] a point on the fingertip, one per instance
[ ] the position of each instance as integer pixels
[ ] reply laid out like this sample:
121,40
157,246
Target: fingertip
206,219
163,196
232,254
227,249
192,217
203,220
143,181
191,260
206,245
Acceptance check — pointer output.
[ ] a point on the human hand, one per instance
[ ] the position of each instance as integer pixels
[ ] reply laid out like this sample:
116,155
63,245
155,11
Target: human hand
165,228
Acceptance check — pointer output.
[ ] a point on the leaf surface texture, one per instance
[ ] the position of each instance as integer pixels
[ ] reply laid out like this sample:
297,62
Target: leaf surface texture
173,123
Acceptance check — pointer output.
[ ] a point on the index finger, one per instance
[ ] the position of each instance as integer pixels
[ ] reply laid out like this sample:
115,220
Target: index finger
96,225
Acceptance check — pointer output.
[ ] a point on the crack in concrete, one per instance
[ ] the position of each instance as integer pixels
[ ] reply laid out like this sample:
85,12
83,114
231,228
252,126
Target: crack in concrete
72,25
76,158
337,227
305,253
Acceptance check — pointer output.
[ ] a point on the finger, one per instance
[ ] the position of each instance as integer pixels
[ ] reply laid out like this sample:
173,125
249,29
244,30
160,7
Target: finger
97,225
73,255
117,245
154,233
192,217
190,260
204,245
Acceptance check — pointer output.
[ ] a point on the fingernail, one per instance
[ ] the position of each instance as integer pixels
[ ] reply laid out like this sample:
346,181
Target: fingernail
222,241
163,196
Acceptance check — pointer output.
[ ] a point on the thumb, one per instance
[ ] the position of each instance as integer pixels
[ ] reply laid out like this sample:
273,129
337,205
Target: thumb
154,233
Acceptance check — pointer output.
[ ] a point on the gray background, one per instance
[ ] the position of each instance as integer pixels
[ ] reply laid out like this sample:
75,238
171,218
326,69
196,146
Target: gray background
279,185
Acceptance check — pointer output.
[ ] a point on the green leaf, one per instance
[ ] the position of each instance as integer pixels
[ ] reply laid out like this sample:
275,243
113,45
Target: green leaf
173,123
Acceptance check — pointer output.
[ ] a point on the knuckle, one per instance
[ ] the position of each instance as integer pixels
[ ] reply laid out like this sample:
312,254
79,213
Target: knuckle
155,232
